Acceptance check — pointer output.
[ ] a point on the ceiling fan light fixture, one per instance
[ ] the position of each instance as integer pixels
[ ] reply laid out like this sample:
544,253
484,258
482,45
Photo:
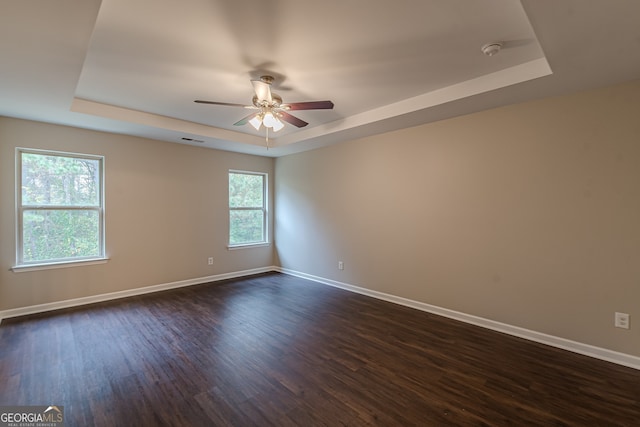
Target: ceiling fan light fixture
269,120
256,121
277,125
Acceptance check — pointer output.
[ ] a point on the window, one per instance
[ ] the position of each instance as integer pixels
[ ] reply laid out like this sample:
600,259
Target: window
60,210
247,208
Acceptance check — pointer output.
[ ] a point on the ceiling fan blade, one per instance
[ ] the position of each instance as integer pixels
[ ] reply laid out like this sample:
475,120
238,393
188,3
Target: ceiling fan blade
245,120
226,104
292,119
263,90
311,105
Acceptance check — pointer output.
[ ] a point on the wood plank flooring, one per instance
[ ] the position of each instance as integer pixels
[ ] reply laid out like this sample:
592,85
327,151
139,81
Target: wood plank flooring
275,350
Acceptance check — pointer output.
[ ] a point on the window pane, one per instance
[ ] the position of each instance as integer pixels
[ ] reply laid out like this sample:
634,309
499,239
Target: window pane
49,180
246,226
246,190
60,234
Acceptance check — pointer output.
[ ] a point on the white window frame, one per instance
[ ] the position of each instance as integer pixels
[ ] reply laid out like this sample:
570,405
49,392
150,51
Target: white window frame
264,209
20,209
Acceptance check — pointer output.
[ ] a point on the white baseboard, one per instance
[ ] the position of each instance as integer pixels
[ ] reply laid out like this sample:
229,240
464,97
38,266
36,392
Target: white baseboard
40,308
565,344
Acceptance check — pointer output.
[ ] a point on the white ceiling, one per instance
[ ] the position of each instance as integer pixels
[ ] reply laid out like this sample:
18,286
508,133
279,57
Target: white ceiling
136,66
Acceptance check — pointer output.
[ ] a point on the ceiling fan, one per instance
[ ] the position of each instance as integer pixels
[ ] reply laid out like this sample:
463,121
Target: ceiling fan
271,111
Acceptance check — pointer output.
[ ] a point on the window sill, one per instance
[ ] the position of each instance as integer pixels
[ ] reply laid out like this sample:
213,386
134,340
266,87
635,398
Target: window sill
66,264
248,245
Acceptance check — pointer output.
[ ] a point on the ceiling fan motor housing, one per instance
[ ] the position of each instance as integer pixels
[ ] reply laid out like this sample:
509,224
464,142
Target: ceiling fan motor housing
276,101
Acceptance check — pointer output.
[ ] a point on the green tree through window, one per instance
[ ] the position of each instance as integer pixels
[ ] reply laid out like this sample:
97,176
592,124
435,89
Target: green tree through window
60,211
247,208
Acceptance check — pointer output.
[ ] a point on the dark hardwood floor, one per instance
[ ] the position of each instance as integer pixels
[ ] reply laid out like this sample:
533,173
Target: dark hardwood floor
275,350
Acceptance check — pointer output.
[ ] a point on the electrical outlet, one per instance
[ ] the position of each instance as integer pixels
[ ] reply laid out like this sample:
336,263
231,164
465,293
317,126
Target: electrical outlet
210,260
340,265
622,320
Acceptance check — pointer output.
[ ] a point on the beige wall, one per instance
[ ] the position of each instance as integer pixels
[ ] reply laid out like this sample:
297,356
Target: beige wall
527,215
166,213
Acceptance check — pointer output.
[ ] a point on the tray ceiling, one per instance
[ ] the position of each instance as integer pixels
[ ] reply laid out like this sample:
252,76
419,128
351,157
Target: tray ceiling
136,66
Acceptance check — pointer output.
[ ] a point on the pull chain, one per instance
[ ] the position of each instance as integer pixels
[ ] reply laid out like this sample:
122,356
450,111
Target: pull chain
267,138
